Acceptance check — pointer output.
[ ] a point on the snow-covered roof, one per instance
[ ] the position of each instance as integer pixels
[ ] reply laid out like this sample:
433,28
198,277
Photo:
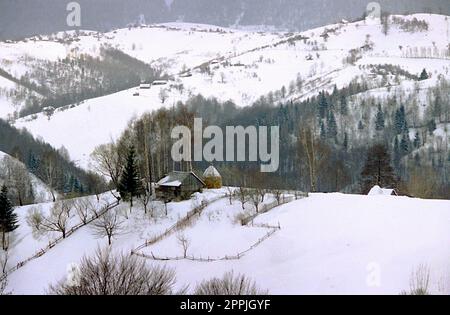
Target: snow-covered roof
211,172
377,191
176,179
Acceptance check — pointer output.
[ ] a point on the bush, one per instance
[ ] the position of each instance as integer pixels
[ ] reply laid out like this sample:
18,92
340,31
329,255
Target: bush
106,274
229,285
420,282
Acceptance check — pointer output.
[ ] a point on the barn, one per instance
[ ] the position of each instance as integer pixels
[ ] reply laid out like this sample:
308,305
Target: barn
178,186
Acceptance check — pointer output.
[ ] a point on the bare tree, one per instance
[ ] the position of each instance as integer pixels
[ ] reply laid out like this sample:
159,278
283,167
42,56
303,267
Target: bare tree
83,209
229,285
56,221
144,199
255,198
230,194
316,154
3,284
50,171
107,162
242,195
184,243
18,178
278,193
4,258
108,225
106,274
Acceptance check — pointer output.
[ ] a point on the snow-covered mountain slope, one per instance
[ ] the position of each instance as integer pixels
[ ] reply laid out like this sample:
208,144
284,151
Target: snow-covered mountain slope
327,244
41,191
241,66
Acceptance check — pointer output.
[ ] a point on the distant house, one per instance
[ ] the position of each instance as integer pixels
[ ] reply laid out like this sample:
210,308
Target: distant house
212,178
378,191
159,82
145,86
179,186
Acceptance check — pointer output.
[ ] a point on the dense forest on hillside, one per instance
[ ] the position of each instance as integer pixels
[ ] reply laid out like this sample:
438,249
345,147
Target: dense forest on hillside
50,165
328,125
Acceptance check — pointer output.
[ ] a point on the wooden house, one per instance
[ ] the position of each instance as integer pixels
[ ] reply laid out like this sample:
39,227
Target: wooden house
179,186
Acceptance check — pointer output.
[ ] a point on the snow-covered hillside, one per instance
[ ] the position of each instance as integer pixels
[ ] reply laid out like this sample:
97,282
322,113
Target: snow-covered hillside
327,244
237,65
40,189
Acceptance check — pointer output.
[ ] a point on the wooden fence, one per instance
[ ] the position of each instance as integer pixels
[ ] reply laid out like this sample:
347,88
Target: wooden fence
178,225
209,259
56,241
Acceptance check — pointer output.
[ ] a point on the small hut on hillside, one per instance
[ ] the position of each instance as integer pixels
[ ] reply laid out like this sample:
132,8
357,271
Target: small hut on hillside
212,178
378,191
179,186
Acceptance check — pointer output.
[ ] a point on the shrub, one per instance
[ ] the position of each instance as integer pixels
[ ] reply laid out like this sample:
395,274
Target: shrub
106,274
229,285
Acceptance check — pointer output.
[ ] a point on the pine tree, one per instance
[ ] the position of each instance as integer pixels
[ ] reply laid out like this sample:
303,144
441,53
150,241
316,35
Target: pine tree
404,144
331,126
417,140
323,135
424,75
397,155
379,122
378,170
8,219
345,143
130,185
360,125
323,105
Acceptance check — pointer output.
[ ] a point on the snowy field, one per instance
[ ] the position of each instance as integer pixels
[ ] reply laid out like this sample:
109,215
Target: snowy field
328,244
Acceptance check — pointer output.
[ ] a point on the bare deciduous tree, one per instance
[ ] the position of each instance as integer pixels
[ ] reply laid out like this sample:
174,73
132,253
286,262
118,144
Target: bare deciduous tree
242,195
255,198
83,208
106,274
184,243
107,162
56,221
108,225
229,285
19,180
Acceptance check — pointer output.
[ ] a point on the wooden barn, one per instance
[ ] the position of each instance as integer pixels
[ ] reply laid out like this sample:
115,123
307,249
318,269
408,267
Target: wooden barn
178,186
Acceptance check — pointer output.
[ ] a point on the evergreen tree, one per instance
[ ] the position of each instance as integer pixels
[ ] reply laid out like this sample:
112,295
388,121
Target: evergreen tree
424,75
360,125
130,185
404,144
331,126
323,135
8,219
379,121
323,105
417,141
397,155
344,105
345,143
431,126
401,124
377,170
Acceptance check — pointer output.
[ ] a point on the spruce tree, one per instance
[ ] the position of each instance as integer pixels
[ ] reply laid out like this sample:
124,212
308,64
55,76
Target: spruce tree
417,140
331,126
8,219
424,75
378,169
323,105
379,121
130,185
